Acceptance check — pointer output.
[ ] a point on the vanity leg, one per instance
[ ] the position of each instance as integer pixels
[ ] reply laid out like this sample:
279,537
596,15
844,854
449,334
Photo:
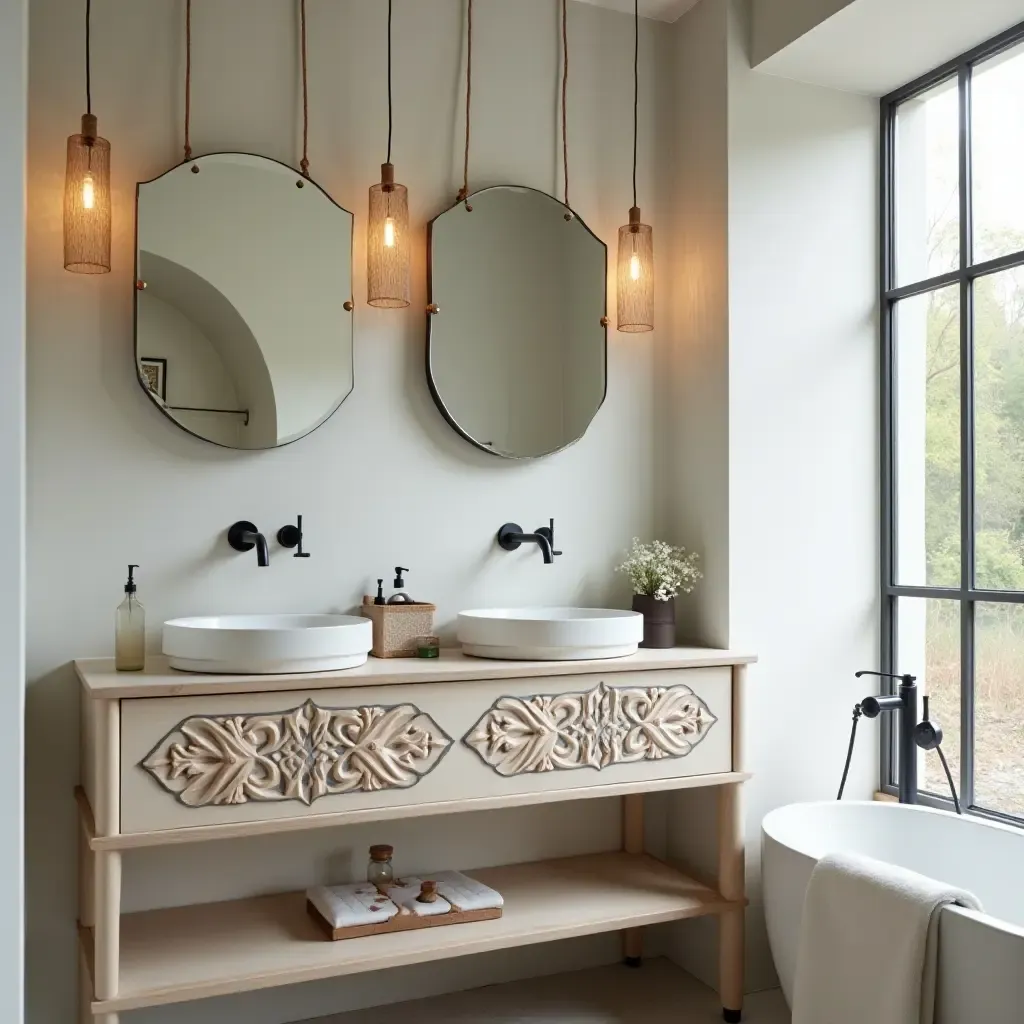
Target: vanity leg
84,988
731,886
633,842
107,932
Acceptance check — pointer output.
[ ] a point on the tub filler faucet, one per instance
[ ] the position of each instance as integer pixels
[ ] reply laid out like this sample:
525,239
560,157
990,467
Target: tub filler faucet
912,733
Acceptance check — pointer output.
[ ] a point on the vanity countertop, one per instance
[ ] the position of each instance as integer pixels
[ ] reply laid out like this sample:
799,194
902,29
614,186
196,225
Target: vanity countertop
100,680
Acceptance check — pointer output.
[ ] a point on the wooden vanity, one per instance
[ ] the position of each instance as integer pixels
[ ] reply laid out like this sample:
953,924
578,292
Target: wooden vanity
169,757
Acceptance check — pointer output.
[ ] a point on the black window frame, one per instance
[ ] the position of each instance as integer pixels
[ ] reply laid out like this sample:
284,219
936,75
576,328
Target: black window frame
967,594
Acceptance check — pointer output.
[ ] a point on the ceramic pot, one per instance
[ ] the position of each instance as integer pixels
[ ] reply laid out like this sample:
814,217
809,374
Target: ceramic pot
659,621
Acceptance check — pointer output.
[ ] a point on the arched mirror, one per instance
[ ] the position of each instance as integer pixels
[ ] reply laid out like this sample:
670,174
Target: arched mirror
243,321
517,339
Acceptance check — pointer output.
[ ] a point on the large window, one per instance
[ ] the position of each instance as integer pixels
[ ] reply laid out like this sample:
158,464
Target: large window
953,416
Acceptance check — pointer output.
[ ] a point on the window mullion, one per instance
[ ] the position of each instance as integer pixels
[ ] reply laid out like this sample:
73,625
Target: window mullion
967,523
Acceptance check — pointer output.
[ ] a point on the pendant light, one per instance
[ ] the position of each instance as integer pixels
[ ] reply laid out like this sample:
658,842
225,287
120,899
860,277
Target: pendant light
387,242
87,186
635,292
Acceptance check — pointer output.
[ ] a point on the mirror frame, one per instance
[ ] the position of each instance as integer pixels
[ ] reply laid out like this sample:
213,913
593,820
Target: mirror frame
431,299
301,182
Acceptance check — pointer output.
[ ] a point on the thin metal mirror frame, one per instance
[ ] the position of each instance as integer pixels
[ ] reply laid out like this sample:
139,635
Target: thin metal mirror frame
135,302
431,383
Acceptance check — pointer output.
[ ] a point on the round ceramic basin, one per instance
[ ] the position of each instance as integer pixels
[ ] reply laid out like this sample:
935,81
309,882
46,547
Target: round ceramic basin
550,634
267,644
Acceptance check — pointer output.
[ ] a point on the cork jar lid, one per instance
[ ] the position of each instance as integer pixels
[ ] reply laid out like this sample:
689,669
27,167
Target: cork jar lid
381,852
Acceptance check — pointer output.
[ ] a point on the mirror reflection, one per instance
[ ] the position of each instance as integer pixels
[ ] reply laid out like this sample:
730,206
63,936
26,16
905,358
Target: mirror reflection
243,271
517,349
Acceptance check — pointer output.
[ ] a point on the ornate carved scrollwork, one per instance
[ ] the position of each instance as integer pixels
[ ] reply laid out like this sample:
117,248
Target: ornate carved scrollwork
602,727
302,754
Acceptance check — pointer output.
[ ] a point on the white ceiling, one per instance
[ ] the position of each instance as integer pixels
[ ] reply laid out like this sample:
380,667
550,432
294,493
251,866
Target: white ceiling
875,46
661,10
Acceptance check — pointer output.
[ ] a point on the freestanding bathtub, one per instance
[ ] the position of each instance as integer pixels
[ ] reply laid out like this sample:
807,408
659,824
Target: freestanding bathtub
981,955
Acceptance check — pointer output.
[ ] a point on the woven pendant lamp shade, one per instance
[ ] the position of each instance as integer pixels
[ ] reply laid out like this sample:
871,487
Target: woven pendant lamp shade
635,290
387,243
87,202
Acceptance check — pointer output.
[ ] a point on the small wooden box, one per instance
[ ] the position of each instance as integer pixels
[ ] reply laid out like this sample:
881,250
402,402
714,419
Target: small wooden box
397,627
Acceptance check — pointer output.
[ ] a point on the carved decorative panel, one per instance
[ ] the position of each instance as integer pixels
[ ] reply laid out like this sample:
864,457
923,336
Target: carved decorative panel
301,754
602,727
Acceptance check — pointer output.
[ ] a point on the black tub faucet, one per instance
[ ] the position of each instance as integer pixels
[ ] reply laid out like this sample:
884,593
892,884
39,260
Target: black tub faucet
511,538
243,536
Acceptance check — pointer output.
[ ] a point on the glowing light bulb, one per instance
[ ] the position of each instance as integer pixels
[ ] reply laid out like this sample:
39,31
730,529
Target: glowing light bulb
389,233
634,267
88,192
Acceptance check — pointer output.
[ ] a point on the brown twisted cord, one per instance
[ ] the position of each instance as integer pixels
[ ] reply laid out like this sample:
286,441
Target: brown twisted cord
304,162
565,89
463,196
188,79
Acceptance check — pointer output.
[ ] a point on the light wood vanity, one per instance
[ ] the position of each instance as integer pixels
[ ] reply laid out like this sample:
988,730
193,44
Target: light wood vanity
169,757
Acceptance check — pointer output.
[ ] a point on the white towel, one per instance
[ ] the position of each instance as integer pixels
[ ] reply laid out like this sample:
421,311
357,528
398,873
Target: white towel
869,943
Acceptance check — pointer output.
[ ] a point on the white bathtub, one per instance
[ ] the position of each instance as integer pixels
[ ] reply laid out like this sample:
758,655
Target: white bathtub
981,956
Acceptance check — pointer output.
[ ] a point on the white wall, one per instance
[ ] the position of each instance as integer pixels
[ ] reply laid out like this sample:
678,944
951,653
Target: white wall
112,481
13,110
777,23
801,369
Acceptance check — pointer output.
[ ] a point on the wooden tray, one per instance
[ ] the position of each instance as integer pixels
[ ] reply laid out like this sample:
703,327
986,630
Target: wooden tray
401,922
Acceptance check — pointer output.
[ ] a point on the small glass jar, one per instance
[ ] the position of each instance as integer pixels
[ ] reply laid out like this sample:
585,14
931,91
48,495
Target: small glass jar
379,871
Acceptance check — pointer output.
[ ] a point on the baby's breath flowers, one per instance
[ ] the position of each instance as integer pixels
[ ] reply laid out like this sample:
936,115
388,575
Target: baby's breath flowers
660,570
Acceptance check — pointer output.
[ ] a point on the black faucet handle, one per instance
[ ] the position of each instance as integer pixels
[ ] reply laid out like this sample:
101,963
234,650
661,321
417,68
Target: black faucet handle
291,537
549,532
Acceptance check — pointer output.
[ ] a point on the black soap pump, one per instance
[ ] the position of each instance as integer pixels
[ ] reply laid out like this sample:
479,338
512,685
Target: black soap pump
130,630
400,596
379,599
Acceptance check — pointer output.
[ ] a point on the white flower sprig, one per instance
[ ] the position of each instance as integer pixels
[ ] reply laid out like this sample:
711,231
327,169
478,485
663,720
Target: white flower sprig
660,570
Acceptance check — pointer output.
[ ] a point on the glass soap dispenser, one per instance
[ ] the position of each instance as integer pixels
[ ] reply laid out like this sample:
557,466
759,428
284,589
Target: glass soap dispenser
130,630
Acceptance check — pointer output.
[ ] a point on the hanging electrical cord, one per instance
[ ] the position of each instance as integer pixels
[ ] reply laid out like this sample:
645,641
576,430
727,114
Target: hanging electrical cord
188,80
636,87
391,109
463,196
565,117
88,56
304,162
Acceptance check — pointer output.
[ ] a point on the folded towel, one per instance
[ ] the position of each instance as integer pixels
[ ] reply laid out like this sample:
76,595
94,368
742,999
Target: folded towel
467,893
869,943
357,903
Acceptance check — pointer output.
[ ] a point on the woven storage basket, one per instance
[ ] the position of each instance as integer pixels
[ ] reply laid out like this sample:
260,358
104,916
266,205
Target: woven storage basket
397,627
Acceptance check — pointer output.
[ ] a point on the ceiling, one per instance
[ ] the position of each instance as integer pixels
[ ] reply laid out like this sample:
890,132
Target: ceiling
661,10
875,46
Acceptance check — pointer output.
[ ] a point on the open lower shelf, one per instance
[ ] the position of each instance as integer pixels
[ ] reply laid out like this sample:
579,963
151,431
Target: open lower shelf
214,949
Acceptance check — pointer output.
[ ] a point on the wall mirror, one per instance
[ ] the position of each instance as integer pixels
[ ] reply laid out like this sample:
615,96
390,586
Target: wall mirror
517,341
243,321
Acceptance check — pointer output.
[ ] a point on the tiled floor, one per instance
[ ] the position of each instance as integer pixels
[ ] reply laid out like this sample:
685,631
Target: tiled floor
658,993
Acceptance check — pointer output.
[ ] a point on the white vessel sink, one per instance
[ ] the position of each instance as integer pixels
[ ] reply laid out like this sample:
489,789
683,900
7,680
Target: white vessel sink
550,634
267,644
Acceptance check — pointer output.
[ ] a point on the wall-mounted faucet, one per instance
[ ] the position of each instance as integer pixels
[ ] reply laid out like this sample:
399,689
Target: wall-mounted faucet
291,537
511,538
243,536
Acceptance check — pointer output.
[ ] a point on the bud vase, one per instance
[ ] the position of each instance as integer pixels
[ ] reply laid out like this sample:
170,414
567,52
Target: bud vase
659,621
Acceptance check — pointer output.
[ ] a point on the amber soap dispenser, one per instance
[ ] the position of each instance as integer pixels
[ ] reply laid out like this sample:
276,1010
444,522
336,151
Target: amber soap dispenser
130,629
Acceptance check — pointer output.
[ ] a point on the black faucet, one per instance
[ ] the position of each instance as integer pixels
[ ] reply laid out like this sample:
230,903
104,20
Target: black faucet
243,536
511,538
905,703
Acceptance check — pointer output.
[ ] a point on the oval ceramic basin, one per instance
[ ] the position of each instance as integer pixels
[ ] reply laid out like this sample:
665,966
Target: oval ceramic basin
550,634
267,644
